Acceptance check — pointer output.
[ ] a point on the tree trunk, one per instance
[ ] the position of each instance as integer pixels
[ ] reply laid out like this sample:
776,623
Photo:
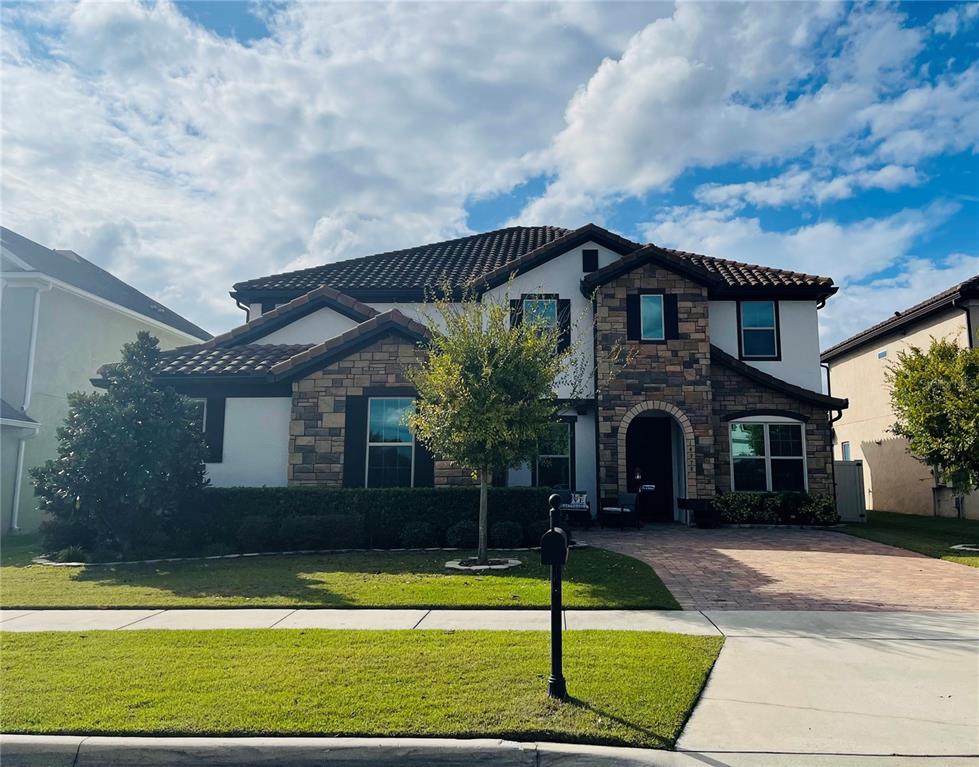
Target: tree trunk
482,555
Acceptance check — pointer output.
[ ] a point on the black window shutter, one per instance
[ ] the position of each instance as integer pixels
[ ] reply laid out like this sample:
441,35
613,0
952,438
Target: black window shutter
671,318
214,429
424,466
632,320
516,312
564,322
355,442
589,260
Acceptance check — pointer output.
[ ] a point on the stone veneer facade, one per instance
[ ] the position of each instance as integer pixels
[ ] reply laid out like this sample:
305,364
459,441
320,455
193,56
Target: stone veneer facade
675,373
733,393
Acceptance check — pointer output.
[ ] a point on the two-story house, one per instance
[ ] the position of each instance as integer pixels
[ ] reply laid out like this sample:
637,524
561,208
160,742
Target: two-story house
722,391
893,478
62,316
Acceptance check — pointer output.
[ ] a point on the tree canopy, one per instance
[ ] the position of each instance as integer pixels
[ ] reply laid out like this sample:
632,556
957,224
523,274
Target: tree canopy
935,396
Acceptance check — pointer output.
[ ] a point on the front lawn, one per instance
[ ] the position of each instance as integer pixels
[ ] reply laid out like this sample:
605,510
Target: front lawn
927,535
594,579
628,688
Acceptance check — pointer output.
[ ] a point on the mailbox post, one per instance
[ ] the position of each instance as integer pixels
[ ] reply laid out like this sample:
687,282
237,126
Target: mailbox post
554,552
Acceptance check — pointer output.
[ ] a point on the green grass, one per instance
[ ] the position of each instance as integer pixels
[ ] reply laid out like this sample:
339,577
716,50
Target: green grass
931,536
628,688
594,579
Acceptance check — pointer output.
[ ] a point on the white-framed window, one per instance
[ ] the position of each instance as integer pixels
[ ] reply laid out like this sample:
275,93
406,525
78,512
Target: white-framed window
540,310
390,444
882,354
768,456
554,457
652,325
845,447
200,411
759,329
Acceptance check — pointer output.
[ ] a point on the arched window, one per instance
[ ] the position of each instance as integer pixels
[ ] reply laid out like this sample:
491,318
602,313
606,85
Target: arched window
768,453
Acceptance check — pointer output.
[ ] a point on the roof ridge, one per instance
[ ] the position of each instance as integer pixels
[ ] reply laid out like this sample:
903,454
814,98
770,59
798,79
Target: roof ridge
396,251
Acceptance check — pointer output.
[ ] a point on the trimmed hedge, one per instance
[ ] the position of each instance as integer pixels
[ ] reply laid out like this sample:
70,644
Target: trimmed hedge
350,517
776,509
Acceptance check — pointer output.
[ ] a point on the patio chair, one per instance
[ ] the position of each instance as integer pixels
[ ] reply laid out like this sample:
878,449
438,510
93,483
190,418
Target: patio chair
575,508
620,513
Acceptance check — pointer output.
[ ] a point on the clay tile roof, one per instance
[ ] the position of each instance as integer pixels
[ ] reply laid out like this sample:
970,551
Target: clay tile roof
424,266
247,360
966,289
736,274
283,314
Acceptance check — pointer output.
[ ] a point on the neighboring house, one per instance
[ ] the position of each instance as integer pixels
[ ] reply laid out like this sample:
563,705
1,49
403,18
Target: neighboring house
62,316
724,390
894,480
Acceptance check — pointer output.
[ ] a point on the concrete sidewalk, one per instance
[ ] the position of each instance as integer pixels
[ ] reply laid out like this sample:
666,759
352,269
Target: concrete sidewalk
69,751
675,621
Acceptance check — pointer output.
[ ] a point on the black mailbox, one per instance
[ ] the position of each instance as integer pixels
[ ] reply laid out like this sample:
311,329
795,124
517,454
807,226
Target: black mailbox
554,547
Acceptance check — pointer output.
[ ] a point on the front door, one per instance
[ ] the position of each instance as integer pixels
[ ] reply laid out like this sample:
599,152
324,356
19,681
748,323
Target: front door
649,459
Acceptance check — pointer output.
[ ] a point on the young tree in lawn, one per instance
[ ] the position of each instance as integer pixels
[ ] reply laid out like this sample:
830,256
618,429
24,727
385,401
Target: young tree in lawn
127,458
935,396
486,390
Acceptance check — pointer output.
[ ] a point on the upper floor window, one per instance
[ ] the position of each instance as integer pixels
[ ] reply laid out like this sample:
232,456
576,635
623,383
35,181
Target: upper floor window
542,310
759,329
653,327
390,445
589,260
882,354
768,457
845,447
554,457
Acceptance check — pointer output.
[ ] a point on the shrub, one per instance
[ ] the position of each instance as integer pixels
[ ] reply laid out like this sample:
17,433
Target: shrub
776,509
128,458
464,534
58,534
257,533
71,554
505,535
419,535
535,530
303,531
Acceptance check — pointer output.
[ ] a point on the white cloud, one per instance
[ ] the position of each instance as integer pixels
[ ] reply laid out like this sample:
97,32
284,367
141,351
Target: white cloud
184,161
860,306
717,84
796,186
952,21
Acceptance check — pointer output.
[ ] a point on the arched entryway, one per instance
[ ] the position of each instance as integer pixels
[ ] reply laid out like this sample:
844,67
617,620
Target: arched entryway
656,448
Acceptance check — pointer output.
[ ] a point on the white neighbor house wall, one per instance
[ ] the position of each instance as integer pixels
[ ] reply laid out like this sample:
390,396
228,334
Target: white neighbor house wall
256,443
798,340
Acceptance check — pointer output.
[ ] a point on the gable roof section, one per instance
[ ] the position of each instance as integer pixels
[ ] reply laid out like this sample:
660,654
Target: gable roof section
14,416
406,273
724,278
68,267
818,399
276,363
946,299
321,297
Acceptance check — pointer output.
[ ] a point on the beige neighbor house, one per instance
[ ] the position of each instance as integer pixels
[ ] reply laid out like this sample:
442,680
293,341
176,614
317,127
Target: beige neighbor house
62,317
894,480
723,393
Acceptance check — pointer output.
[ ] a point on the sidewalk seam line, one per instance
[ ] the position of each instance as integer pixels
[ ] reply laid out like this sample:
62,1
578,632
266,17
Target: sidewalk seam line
145,617
707,618
427,613
7,620
294,610
78,750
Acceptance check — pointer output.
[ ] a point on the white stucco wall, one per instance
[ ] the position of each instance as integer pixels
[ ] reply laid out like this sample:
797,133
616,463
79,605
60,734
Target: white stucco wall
256,443
799,340
312,329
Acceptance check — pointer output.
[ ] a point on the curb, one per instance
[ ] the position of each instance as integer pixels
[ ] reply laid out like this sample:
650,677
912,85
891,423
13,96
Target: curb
96,751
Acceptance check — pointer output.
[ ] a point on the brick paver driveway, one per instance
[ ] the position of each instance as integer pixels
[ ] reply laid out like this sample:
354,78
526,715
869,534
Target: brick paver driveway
771,569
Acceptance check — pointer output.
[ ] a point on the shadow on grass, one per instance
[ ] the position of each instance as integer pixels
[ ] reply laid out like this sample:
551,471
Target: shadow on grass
666,740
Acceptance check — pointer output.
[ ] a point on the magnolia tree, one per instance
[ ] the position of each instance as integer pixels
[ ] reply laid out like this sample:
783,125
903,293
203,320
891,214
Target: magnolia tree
935,396
127,458
487,390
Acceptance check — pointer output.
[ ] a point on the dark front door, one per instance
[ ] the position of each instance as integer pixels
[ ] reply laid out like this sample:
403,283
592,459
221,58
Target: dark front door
649,460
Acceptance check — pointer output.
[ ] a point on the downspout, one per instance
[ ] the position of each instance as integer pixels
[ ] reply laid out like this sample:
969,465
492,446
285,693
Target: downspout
18,481
832,420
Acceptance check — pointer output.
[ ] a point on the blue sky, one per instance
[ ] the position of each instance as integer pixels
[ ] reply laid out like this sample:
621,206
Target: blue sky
189,145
